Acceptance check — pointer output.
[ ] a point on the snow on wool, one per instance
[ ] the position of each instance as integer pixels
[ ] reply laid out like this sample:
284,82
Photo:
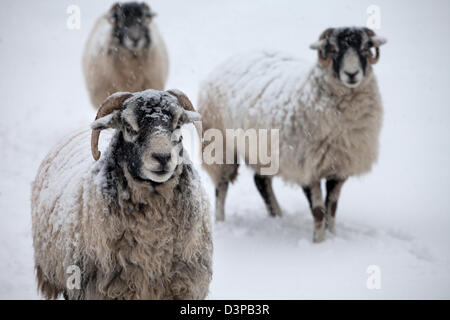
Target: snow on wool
326,130
130,239
110,66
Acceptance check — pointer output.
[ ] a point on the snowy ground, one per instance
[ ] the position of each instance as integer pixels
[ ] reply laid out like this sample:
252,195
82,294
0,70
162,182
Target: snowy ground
396,217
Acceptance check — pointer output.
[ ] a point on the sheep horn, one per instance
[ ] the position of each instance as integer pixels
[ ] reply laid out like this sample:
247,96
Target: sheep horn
369,32
372,35
113,102
183,100
324,61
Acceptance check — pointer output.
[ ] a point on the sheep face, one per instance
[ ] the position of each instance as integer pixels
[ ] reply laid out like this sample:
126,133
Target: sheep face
130,22
348,53
150,141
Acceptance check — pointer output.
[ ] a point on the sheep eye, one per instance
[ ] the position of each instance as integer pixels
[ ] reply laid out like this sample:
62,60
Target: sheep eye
177,139
331,49
129,129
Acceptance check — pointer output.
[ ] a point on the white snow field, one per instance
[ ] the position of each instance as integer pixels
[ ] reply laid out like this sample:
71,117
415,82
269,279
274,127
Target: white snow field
397,217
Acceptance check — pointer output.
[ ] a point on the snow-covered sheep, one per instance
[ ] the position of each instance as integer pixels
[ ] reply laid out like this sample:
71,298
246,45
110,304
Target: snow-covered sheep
329,117
136,223
124,52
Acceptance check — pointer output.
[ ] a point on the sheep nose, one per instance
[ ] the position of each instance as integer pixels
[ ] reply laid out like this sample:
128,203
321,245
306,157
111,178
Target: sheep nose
162,158
351,75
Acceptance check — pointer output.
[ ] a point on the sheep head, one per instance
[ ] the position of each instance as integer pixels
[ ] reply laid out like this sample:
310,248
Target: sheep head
347,51
130,22
149,141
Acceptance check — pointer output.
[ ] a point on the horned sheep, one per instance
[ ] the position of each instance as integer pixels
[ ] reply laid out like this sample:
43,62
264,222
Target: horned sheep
329,117
135,223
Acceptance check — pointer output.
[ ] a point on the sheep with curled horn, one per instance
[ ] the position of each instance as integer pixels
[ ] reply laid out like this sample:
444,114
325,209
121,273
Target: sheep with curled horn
124,52
329,116
136,222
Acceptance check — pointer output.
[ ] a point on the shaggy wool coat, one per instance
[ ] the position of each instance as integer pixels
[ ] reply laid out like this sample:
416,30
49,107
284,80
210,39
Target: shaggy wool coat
129,239
325,129
109,67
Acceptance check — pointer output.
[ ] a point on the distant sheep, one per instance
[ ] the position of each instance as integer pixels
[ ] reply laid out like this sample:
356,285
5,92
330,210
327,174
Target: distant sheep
124,52
136,223
329,117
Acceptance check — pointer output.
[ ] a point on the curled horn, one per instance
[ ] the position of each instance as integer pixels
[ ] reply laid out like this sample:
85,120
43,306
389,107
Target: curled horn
324,61
372,59
183,100
113,102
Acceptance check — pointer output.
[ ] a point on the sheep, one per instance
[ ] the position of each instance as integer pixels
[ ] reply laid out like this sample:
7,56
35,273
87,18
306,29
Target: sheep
124,52
329,116
136,223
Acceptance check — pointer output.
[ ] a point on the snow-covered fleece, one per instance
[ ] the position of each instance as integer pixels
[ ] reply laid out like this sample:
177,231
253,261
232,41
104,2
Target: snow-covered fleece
326,129
155,245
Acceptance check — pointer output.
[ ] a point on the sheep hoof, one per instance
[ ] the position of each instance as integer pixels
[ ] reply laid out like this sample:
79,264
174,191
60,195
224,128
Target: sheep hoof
278,212
220,217
330,225
275,213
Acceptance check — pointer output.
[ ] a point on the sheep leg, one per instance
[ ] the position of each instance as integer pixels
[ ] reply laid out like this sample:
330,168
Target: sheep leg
221,194
228,173
333,186
314,195
264,186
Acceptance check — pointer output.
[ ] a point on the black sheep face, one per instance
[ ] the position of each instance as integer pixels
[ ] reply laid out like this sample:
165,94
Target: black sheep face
350,52
150,141
130,23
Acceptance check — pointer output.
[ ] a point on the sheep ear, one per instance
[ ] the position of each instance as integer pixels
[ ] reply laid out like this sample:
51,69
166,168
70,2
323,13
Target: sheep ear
186,117
320,44
112,12
378,41
147,11
192,116
109,121
317,45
